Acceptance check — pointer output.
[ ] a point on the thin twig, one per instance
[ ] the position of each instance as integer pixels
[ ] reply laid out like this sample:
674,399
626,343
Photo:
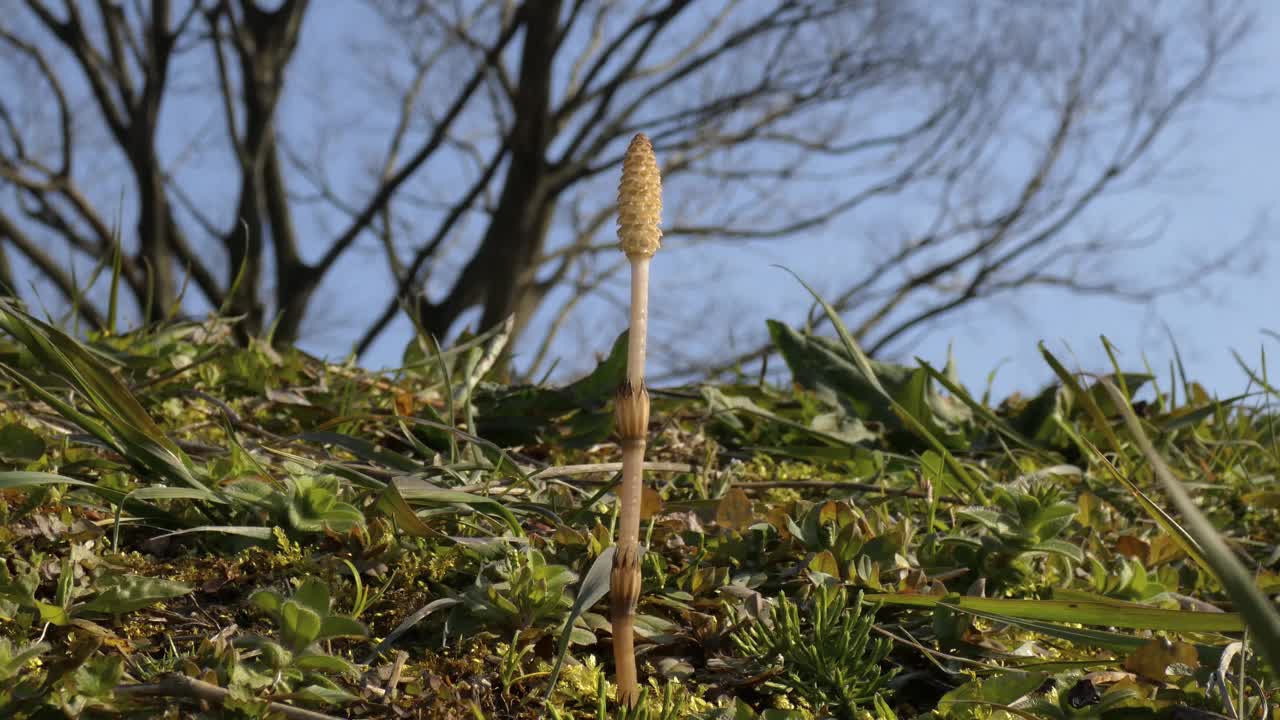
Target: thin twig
566,472
181,686
939,654
397,668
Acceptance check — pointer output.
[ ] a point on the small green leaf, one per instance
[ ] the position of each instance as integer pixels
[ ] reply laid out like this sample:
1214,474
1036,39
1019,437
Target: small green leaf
12,663
99,676
19,443
267,600
341,626
1060,547
128,593
594,586
1000,689
314,594
300,625
325,663
53,614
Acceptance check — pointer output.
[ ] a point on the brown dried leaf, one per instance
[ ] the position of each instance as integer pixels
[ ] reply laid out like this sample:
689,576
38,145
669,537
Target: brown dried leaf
734,510
650,502
778,517
404,404
1107,677
1133,547
1153,659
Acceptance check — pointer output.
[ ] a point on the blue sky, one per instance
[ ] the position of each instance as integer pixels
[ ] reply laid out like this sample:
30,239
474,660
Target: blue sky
1230,180
1217,190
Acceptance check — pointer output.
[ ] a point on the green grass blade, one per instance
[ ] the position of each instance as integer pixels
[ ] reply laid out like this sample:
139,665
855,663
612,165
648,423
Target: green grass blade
1166,522
364,450
968,485
1262,616
1107,614
17,479
982,411
1113,641
113,298
1083,397
408,623
249,531
132,431
417,490
594,586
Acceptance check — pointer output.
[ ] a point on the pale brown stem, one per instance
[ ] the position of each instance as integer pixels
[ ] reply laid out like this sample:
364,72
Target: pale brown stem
639,211
624,592
630,487
624,580
639,319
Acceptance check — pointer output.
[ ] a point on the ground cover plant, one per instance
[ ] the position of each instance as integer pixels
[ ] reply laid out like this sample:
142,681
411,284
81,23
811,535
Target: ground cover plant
196,528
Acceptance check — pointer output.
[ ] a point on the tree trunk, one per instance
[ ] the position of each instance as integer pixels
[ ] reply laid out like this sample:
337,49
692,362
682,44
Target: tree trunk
501,275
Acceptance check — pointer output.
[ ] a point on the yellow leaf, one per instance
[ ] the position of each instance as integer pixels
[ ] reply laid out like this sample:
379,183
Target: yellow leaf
825,562
1263,499
1163,549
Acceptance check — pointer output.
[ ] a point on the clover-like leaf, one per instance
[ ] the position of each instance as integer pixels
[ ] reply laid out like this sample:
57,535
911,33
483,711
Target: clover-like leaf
299,625
314,594
268,601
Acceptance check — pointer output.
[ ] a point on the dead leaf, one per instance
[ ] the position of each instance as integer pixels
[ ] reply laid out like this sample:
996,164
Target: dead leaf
777,517
1107,677
828,513
650,502
1090,508
1133,547
1153,659
734,510
288,397
404,403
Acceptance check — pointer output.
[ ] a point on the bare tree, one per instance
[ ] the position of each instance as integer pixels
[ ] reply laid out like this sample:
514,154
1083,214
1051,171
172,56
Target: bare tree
496,127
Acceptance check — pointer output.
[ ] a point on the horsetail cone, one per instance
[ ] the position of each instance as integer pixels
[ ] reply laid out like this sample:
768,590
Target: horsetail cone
640,200
639,211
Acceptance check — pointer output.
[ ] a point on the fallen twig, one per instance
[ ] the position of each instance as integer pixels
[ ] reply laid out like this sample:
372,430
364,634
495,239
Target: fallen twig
181,686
